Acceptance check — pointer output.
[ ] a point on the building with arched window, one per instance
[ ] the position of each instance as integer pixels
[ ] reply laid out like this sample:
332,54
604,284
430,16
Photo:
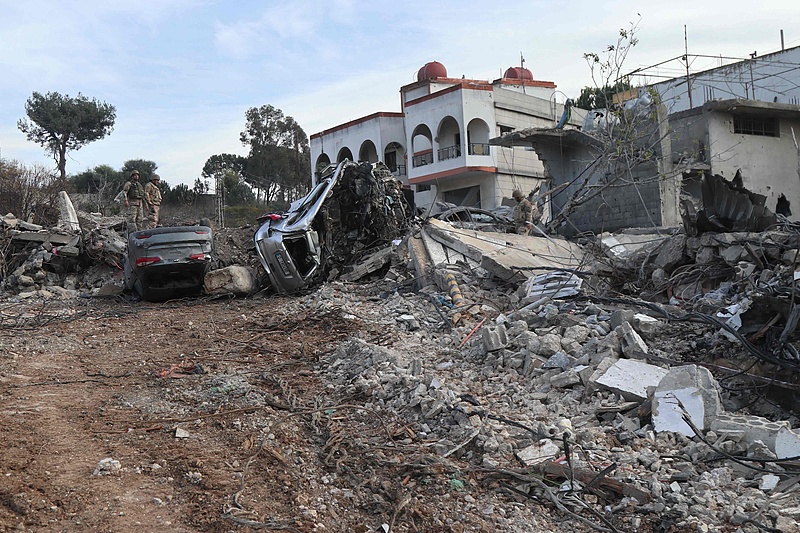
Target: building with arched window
438,144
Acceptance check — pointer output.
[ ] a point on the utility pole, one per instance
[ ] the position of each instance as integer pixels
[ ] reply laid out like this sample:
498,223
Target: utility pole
686,59
219,192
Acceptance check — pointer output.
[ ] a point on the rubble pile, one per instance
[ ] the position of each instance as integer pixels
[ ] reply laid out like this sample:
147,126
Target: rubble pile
648,377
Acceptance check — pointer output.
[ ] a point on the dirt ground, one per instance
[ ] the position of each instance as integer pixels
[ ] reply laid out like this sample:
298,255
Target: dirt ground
216,417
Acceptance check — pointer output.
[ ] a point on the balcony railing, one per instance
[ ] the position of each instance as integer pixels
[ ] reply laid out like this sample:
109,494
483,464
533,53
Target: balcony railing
398,170
479,149
450,152
422,159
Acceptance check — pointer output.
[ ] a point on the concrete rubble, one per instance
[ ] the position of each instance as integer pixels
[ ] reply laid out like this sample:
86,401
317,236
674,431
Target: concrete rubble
603,363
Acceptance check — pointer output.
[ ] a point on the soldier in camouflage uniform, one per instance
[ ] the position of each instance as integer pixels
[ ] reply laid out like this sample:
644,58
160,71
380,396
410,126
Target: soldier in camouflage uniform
134,197
523,213
152,196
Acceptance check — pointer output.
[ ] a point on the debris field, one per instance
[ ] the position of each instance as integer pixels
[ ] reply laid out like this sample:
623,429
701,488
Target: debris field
637,381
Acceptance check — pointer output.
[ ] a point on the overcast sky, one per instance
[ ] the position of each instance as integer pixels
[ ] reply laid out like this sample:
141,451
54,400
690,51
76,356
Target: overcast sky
181,73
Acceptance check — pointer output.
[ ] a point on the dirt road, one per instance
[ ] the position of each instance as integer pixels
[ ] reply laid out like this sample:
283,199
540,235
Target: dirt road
183,396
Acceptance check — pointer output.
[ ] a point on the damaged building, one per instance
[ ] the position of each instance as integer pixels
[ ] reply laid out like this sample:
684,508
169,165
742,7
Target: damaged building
438,144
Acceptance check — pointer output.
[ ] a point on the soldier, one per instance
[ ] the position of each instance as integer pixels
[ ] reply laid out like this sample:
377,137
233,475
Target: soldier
523,213
134,196
152,195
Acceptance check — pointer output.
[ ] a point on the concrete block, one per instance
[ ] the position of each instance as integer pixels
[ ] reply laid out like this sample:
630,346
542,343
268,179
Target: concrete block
697,391
631,379
494,338
234,279
544,450
755,428
631,341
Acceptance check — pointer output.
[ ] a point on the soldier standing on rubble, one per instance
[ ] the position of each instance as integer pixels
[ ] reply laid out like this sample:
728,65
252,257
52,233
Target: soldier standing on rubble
523,213
152,197
134,197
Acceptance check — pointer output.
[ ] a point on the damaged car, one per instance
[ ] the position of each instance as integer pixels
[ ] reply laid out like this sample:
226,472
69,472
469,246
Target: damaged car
354,210
168,262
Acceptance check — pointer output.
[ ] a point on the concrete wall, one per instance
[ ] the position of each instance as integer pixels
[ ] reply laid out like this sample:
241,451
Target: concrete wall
626,205
769,165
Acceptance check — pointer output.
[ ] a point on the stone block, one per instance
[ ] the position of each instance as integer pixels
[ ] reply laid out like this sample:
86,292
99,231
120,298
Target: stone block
631,379
646,325
696,390
549,344
565,379
234,279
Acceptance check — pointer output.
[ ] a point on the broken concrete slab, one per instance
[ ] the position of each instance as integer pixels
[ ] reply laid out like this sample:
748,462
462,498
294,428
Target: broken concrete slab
632,343
686,388
748,428
631,379
787,443
56,239
234,279
671,254
544,450
68,218
628,247
509,256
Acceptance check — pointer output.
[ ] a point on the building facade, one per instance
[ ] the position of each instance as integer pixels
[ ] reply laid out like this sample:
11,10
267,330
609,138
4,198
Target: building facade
438,144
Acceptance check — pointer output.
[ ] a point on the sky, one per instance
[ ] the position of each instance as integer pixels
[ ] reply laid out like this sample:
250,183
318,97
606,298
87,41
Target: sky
182,73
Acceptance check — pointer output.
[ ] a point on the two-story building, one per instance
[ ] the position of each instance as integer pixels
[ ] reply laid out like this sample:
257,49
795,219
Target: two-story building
438,143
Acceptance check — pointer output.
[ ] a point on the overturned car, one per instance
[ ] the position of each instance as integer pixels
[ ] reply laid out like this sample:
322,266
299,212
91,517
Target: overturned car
355,209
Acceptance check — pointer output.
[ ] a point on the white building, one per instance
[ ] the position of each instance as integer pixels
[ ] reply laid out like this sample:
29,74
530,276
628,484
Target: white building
439,142
773,77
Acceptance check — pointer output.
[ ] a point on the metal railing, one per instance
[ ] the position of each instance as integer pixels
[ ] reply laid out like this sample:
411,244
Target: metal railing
451,152
479,149
398,170
422,159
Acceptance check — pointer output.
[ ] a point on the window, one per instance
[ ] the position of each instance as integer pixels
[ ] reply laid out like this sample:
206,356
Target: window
754,125
423,188
505,129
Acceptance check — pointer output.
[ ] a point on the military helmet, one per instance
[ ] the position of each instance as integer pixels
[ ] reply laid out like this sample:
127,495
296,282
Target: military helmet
155,177
134,173
517,194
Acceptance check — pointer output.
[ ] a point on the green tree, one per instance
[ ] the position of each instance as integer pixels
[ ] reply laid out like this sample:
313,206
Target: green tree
60,123
279,161
600,97
145,167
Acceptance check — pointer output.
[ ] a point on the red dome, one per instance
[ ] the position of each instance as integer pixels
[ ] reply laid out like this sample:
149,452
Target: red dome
518,73
431,70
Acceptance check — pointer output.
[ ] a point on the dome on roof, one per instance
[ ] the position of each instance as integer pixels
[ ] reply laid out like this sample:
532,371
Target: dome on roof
518,73
432,69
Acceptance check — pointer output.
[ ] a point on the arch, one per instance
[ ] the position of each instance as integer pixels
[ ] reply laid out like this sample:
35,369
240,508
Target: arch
322,163
368,152
394,157
478,137
344,153
449,139
421,146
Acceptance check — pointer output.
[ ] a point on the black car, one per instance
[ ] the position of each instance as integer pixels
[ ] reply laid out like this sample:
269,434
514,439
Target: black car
168,262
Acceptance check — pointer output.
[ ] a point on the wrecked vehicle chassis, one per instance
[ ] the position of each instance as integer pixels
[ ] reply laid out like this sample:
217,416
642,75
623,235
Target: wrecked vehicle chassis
355,209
